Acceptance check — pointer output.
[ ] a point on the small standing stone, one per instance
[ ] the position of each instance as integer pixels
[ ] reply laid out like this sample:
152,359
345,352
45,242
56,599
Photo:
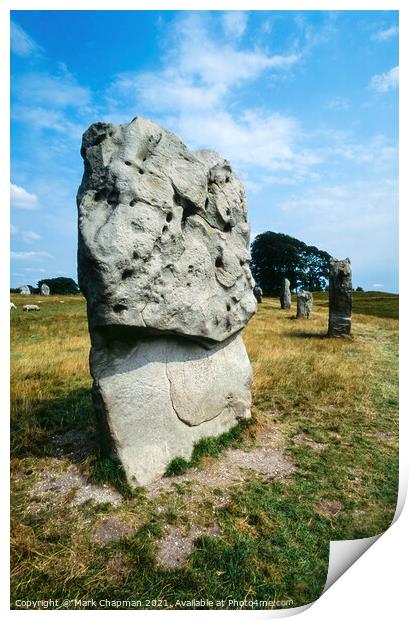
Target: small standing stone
258,294
304,305
25,290
44,289
340,298
285,295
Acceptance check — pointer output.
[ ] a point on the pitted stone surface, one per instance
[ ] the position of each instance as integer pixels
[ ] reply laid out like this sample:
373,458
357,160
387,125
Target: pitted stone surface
163,235
44,289
24,290
163,262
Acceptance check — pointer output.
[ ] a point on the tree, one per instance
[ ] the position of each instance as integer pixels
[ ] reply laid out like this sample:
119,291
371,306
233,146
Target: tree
61,286
359,289
275,256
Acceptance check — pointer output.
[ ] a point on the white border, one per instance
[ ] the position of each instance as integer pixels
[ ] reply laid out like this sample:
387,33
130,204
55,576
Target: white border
375,585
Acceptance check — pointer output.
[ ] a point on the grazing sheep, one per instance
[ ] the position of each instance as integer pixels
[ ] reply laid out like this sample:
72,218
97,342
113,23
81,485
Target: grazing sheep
31,307
13,306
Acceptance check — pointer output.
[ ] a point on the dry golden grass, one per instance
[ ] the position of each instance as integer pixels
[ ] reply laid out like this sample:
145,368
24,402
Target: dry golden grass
275,535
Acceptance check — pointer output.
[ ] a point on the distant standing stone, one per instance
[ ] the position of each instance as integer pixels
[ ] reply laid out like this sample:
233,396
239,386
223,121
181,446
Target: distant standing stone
304,305
258,294
24,290
44,289
340,298
285,295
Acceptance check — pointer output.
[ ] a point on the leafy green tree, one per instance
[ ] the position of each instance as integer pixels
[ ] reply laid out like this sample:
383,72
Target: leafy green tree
275,256
61,286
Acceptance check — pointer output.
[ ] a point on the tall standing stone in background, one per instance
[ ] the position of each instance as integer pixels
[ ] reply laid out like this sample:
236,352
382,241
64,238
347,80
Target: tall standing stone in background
340,298
304,305
24,290
258,294
44,289
285,295
163,262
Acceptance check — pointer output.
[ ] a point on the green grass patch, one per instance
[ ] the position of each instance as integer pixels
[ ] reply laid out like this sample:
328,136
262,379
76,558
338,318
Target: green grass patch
210,446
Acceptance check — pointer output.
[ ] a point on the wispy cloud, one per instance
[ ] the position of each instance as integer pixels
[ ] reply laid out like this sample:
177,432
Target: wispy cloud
20,198
235,23
59,90
338,103
21,43
385,35
378,285
29,255
198,72
383,82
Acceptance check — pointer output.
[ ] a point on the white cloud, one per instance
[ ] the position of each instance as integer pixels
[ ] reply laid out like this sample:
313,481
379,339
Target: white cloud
34,269
385,81
29,255
58,91
28,236
348,219
338,103
235,23
378,285
198,72
21,198
43,118
270,142
20,42
384,35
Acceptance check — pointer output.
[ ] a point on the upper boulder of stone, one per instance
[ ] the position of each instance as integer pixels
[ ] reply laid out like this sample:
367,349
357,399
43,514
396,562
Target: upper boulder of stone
163,235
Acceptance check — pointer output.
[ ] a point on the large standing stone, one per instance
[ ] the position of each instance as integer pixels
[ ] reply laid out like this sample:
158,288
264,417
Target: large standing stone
44,289
285,295
163,251
340,298
24,290
304,305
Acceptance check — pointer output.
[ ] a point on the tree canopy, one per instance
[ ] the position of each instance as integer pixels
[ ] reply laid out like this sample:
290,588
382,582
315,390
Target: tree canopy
275,256
61,286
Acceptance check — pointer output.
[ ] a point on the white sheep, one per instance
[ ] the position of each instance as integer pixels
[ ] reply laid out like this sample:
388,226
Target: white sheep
30,307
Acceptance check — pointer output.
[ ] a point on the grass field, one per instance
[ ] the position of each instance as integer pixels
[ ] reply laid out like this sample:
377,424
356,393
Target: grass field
327,407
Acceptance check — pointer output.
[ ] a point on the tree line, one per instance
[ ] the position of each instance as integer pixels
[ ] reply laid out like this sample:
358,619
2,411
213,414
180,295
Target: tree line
275,256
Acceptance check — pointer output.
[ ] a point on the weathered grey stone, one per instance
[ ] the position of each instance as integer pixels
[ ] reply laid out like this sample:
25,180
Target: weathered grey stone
340,298
258,294
158,396
44,289
163,235
24,290
163,263
285,295
304,305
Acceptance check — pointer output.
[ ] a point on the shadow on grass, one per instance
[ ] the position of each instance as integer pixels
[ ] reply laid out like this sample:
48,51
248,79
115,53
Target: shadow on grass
307,335
35,428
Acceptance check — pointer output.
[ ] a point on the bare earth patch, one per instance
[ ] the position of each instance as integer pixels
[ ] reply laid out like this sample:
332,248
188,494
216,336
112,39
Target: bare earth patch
176,546
111,529
71,486
118,568
266,458
303,440
329,508
386,436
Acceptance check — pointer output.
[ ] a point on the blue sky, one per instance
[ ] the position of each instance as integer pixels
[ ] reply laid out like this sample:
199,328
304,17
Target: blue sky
304,105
